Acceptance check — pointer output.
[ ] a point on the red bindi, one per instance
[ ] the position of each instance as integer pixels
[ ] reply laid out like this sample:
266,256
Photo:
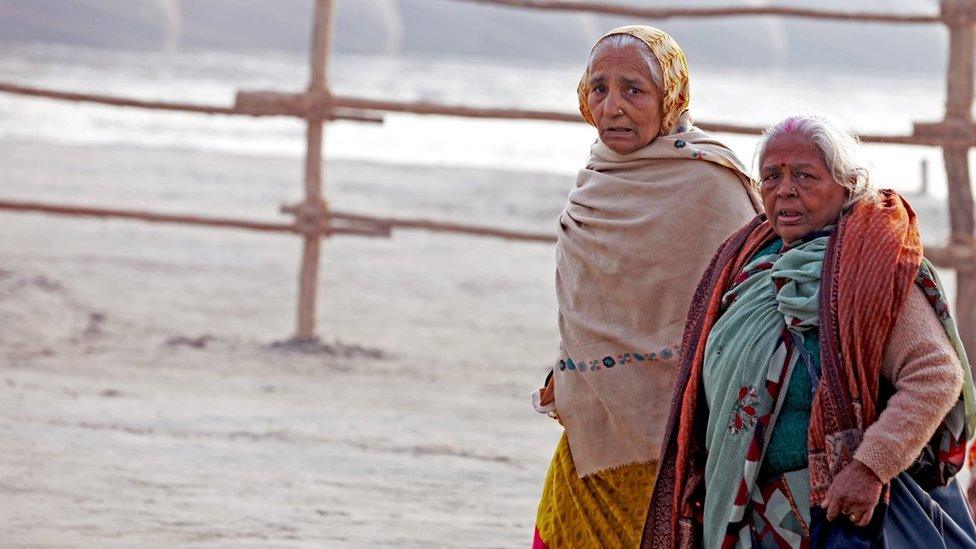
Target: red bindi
782,164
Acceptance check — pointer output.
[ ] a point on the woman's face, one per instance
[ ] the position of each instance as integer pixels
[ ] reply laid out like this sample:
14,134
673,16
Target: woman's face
625,103
799,193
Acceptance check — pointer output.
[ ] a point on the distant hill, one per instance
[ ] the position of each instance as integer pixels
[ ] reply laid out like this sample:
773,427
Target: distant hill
463,29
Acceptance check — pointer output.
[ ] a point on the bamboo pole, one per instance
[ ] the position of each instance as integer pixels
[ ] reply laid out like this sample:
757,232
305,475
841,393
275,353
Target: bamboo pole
952,256
368,225
959,16
448,227
259,104
248,109
313,213
356,224
361,226
933,135
668,13
956,134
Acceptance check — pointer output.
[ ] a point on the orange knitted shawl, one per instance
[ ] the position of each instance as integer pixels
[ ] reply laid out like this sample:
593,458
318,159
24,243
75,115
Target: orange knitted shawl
870,266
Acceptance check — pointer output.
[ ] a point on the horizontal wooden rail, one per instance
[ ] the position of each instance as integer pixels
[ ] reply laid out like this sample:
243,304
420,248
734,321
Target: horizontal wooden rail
427,108
359,109
424,107
669,13
156,217
17,89
448,227
361,225
884,139
953,256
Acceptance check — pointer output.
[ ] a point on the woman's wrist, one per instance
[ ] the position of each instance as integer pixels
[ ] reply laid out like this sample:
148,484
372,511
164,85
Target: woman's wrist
867,470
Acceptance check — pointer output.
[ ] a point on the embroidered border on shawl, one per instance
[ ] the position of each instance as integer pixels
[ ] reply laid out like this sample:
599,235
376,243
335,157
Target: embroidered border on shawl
610,361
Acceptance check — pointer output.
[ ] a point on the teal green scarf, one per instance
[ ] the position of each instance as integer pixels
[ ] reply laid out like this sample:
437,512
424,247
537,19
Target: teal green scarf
777,294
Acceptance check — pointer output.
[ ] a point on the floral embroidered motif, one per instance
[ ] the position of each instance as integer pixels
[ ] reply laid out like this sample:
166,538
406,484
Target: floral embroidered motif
624,359
744,411
609,362
679,144
935,297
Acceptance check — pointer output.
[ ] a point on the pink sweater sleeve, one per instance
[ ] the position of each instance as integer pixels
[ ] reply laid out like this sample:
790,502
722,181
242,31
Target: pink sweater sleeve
923,367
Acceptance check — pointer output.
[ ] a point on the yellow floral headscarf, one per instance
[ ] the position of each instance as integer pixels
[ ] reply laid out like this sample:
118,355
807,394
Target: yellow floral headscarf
674,69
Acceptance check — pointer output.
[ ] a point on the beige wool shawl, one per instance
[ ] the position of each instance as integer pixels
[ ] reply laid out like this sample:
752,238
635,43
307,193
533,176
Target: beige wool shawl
633,241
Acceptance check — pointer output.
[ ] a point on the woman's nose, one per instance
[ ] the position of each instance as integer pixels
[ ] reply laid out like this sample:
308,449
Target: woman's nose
785,188
613,104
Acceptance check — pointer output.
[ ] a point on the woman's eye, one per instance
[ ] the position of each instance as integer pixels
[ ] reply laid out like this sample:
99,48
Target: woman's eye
633,91
600,89
770,177
802,175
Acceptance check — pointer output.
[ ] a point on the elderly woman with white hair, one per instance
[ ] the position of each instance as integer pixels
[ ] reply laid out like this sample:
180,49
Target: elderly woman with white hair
656,196
823,398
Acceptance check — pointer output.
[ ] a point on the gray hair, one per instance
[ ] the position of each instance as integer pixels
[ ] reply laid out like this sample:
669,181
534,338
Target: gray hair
838,146
620,41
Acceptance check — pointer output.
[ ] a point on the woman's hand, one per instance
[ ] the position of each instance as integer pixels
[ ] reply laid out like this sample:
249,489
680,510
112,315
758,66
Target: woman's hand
548,393
853,493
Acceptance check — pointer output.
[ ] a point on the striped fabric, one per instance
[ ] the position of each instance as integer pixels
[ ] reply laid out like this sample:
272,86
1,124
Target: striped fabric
781,364
870,265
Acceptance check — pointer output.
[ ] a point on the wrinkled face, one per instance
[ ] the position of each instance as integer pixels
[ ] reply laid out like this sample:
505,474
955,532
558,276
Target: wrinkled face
799,193
625,103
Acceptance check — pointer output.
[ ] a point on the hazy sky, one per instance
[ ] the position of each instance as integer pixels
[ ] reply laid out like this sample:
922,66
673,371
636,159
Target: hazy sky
449,27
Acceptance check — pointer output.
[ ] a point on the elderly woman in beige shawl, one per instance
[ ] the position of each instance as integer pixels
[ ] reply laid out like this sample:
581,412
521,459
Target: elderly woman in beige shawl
656,196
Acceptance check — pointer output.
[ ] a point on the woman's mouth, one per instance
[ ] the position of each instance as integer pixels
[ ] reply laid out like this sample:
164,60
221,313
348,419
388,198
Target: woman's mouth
788,217
618,130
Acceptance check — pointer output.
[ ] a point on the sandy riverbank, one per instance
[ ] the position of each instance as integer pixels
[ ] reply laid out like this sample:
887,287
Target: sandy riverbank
143,403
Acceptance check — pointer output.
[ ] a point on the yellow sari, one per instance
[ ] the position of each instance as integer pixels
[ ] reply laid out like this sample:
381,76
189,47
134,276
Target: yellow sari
606,509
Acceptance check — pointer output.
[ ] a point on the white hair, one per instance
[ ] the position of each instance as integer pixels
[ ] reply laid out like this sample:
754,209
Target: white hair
838,145
620,41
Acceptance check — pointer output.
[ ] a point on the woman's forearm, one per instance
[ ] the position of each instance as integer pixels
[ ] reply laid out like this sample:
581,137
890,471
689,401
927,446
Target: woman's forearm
923,367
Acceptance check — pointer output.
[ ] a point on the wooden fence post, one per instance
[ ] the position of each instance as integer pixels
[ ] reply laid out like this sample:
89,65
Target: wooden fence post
960,18
312,214
956,134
